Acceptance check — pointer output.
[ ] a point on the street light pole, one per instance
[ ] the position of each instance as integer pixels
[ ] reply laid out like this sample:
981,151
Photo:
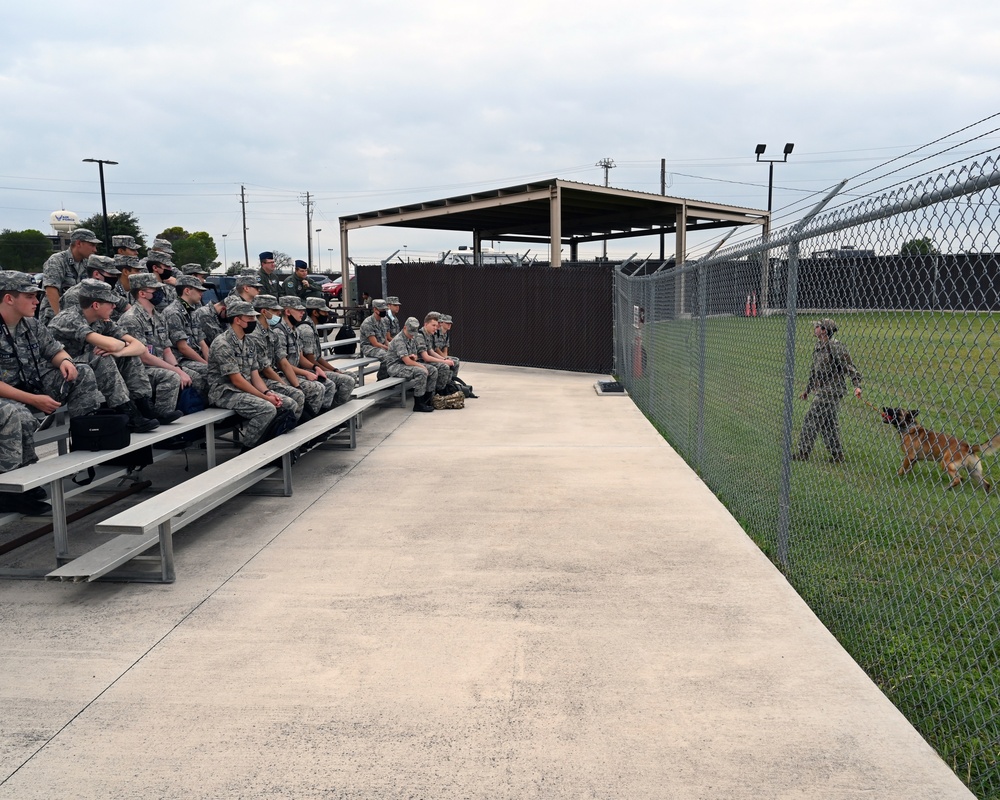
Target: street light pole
319,253
225,257
765,274
104,200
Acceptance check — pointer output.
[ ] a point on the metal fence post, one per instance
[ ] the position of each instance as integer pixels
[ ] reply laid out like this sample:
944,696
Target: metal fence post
785,490
702,320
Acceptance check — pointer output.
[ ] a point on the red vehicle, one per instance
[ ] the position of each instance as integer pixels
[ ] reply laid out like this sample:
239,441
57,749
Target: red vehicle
333,287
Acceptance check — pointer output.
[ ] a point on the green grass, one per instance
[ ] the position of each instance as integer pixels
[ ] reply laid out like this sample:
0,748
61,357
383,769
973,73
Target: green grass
903,571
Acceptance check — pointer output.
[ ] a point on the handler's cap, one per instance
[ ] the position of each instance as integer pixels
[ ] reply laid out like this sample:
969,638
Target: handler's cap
392,301
827,324
97,290
248,280
128,242
445,318
13,281
127,262
316,302
266,301
104,264
163,245
300,264
144,280
236,306
379,304
83,235
411,324
190,282
292,301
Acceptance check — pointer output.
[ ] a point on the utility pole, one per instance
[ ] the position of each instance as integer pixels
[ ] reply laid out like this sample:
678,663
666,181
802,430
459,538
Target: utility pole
243,204
607,164
663,191
104,201
309,239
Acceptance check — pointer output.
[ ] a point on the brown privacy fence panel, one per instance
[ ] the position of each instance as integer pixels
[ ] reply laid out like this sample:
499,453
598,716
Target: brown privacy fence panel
526,316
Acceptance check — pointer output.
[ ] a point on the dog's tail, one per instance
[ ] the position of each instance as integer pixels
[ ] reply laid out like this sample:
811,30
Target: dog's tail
988,449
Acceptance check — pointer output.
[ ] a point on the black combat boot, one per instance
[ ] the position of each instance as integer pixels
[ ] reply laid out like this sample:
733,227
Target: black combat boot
147,410
419,405
137,423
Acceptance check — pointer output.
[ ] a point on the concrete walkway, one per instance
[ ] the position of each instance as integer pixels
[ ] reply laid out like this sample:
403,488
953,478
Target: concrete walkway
531,597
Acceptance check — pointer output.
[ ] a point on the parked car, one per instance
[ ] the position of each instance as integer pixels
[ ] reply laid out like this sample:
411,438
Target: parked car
333,288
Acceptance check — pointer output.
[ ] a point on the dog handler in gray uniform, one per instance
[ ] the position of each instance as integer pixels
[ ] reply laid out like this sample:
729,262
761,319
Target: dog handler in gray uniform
831,363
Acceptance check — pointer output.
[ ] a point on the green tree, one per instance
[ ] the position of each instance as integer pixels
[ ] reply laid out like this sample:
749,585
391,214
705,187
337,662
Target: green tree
24,251
173,235
923,246
235,268
120,223
197,248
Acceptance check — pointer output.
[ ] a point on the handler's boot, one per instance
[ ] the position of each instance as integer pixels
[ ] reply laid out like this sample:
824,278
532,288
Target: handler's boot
147,410
419,405
137,423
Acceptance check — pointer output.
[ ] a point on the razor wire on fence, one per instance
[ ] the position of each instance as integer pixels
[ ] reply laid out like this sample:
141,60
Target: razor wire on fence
878,508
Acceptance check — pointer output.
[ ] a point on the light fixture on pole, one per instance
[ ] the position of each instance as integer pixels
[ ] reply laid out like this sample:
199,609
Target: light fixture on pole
104,200
759,151
606,164
319,253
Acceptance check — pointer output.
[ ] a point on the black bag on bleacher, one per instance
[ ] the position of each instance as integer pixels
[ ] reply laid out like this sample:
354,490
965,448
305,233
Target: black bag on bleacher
102,430
346,332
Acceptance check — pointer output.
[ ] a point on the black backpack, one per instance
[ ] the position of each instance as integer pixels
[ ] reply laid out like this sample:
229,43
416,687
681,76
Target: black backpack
346,332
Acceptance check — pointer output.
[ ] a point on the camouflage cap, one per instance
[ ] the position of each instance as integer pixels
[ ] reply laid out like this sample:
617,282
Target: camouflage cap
190,282
292,301
236,306
144,280
446,318
392,301
104,264
827,324
411,324
128,242
194,269
316,302
13,281
83,235
127,262
379,304
163,245
266,301
433,315
97,290
159,257
248,280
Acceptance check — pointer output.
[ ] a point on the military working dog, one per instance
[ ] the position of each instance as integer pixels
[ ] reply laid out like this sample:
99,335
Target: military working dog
920,444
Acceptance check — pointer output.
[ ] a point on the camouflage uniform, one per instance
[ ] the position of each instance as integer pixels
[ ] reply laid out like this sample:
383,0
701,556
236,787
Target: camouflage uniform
831,362
62,271
379,328
205,320
71,299
398,348
265,344
319,394
309,343
440,373
151,330
227,356
177,317
442,342
119,379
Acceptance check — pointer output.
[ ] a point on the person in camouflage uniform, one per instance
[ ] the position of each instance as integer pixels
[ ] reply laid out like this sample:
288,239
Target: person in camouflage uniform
270,282
210,320
89,335
425,346
146,324
36,373
402,361
99,268
247,287
393,317
127,266
266,343
158,262
317,312
65,269
831,364
125,246
374,332
320,393
233,379
442,342
185,338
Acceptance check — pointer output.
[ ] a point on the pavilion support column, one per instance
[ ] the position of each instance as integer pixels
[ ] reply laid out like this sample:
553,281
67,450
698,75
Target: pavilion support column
344,264
680,251
574,250
555,227
477,249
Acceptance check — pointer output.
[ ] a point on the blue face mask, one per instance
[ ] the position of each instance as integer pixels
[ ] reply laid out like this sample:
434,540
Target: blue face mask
273,319
157,297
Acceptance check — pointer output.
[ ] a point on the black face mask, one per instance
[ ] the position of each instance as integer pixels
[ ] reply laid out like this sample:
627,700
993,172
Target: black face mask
111,280
157,297
297,322
167,273
223,320
251,327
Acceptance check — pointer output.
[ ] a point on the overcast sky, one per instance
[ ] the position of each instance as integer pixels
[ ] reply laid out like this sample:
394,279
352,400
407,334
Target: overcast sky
373,104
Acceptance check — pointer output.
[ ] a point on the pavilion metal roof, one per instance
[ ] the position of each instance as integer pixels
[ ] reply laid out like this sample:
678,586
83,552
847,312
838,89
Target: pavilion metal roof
586,213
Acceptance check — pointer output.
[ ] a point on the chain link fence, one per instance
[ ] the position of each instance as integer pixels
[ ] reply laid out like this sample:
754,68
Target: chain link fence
899,563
